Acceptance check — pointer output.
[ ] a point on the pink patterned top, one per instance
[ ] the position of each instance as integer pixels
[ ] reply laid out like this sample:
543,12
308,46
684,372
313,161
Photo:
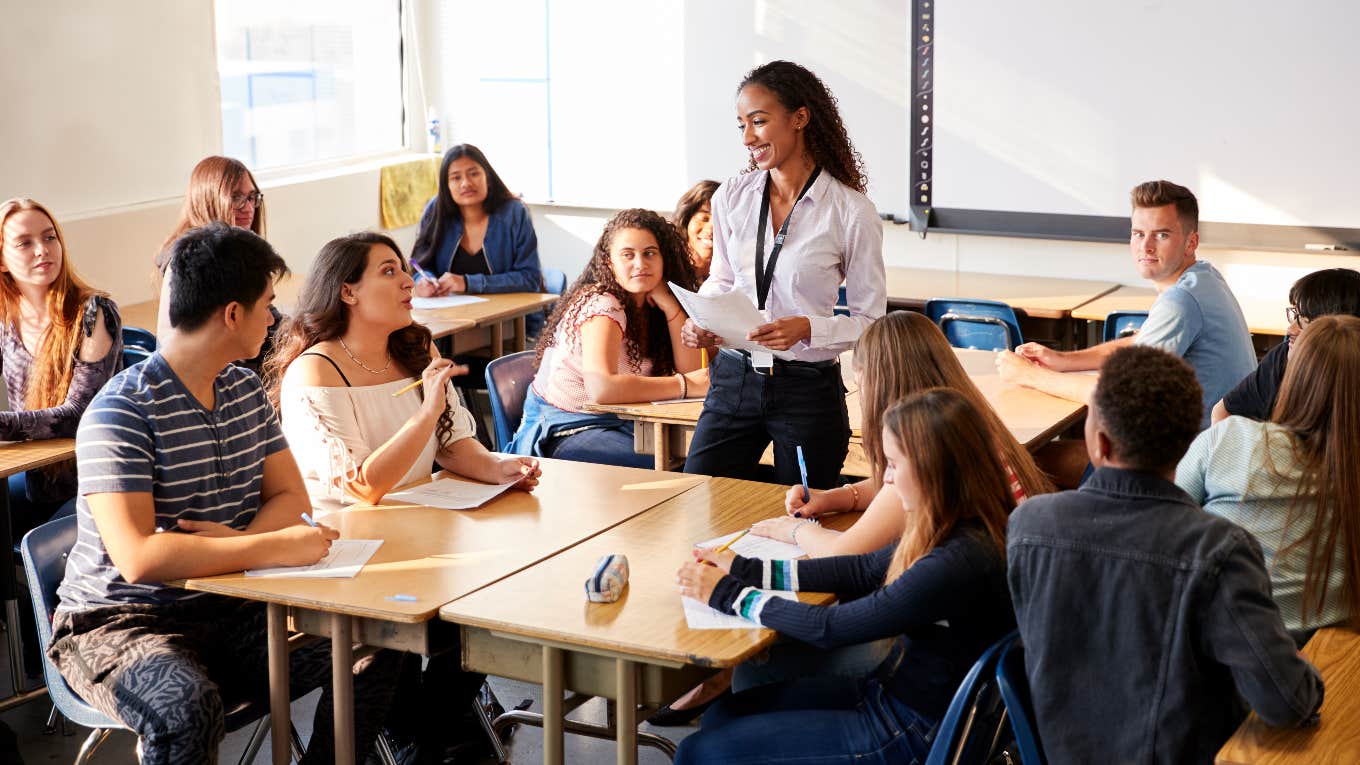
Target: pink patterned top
560,379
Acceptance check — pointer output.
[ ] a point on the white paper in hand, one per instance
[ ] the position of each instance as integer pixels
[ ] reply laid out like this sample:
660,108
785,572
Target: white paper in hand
451,494
730,315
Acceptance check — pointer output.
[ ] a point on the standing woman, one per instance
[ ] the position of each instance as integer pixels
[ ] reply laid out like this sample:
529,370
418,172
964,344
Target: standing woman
60,341
694,216
787,237
220,189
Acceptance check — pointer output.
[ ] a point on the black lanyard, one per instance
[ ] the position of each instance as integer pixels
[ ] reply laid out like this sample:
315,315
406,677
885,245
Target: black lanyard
765,273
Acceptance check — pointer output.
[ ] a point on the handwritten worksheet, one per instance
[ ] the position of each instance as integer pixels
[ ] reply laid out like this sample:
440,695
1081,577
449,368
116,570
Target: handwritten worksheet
729,315
752,546
346,558
451,494
700,617
447,301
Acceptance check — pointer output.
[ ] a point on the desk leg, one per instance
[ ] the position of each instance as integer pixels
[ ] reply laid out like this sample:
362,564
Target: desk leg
521,332
552,706
661,446
279,724
342,684
625,674
497,339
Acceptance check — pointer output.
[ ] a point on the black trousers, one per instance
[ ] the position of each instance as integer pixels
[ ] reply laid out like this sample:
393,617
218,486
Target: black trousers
797,405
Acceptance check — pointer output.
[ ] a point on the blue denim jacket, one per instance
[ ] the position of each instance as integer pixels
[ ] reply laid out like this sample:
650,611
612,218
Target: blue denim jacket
511,250
1148,624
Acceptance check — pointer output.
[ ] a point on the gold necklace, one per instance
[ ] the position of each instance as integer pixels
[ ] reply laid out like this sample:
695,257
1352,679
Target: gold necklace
361,364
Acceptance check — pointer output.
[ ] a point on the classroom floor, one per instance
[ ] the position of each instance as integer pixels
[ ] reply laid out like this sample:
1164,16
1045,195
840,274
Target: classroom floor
526,746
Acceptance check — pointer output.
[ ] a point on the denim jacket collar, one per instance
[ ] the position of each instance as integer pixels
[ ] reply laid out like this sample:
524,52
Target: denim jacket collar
1121,482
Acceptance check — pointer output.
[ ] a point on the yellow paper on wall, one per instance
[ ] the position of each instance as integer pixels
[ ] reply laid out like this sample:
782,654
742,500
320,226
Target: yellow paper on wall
404,190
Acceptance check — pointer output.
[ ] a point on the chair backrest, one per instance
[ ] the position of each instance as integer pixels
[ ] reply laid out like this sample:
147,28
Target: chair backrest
133,354
554,281
507,380
138,337
985,324
44,551
1123,323
842,308
971,726
1014,685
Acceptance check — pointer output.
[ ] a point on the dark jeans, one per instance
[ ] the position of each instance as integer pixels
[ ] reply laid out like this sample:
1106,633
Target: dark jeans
604,446
809,721
745,411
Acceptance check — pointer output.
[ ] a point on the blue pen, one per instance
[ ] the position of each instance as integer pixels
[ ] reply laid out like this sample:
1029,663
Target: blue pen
802,470
312,523
402,598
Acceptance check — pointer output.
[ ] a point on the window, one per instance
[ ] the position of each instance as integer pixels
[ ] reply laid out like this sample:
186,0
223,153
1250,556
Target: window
309,80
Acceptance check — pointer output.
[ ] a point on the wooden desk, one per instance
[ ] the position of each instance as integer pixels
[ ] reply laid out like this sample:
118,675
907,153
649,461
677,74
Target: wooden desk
489,318
1336,739
537,626
1035,295
436,555
15,459
1264,317
1035,418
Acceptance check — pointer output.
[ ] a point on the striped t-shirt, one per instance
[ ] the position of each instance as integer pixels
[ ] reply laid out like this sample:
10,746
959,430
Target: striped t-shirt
145,433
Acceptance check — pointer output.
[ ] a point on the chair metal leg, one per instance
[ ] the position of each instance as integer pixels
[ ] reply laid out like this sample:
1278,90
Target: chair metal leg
296,740
256,741
484,717
384,747
92,742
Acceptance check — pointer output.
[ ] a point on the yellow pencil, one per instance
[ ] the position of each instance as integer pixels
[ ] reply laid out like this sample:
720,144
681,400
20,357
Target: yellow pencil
731,541
703,358
412,386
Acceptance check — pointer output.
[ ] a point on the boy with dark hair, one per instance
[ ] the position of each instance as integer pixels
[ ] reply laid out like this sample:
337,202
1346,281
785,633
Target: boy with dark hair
1195,315
1146,621
187,445
1321,293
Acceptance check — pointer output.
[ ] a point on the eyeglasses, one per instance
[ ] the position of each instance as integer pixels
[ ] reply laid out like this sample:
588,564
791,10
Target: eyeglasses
238,201
1292,315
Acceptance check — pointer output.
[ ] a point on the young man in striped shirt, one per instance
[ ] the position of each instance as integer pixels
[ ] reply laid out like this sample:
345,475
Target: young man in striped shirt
185,473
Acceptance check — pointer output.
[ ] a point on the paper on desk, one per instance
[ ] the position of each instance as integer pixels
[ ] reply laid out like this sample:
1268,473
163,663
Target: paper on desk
344,560
752,546
451,494
729,315
678,400
700,617
447,301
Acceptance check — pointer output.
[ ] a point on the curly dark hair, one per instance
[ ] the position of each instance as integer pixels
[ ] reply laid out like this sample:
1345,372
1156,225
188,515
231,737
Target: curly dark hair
321,315
825,136
1150,404
646,335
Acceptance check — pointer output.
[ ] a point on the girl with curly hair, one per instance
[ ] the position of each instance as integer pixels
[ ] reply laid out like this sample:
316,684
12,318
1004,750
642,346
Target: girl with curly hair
614,337
787,237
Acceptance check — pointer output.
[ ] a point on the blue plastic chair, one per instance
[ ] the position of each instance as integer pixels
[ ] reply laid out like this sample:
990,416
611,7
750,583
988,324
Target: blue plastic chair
1014,686
842,308
554,281
985,324
134,354
44,551
507,382
1123,323
138,337
972,725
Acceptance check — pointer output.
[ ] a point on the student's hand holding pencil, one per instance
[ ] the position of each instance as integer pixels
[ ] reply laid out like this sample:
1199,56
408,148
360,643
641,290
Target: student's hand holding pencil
715,557
696,579
523,470
302,545
435,380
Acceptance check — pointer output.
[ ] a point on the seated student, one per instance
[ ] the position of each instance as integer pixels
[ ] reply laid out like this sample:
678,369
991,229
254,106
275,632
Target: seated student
1195,315
186,443
351,346
898,355
940,590
60,341
1146,622
1321,293
1291,481
694,216
614,337
221,189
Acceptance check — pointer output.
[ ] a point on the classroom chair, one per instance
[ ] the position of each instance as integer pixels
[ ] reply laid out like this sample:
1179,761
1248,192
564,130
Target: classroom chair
842,308
1122,324
1014,686
971,728
134,354
554,281
44,551
985,324
507,381
138,337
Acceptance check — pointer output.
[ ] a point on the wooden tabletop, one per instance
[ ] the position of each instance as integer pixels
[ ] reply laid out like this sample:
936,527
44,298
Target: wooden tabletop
496,307
546,601
1264,317
1035,295
438,555
1034,418
28,455
1336,739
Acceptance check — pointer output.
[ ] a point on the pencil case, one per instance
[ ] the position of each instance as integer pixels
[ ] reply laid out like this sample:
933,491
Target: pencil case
606,584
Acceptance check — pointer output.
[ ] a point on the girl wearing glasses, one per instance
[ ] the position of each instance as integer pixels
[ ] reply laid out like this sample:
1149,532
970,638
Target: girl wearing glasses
220,189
